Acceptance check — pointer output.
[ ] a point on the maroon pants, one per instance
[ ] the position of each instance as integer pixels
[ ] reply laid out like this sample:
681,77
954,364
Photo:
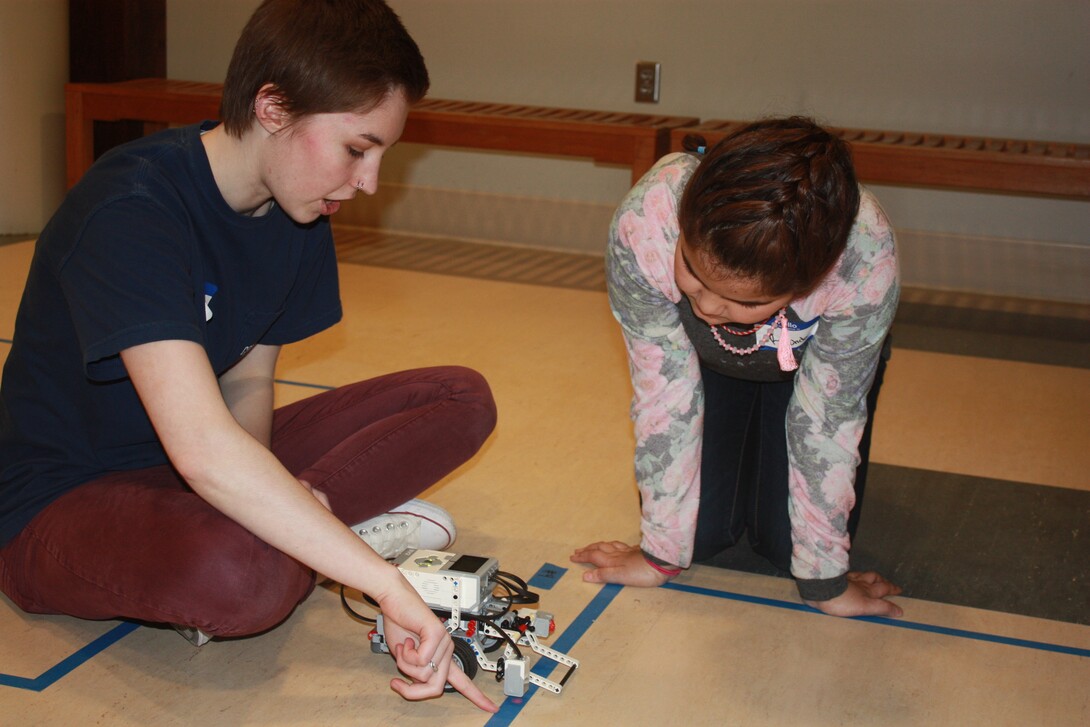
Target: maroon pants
141,545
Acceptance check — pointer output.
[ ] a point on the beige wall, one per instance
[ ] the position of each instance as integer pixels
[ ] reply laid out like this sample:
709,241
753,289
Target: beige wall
1018,68
33,69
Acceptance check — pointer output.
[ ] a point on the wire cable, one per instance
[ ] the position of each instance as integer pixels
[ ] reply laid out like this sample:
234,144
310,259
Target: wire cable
355,614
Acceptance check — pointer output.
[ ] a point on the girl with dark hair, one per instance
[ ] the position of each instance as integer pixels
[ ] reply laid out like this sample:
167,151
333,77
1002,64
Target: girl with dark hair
144,473
755,285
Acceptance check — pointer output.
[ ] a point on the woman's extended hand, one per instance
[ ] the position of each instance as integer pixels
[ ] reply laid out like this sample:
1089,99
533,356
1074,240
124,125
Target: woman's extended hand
423,649
866,596
617,562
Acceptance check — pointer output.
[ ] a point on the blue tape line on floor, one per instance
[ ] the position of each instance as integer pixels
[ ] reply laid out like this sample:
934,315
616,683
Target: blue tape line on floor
547,576
885,621
54,674
511,706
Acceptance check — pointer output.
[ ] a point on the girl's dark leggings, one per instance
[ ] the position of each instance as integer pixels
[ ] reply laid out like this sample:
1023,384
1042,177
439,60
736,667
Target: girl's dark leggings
744,469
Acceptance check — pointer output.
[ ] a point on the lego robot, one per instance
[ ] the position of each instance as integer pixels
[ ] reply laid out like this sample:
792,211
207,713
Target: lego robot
460,589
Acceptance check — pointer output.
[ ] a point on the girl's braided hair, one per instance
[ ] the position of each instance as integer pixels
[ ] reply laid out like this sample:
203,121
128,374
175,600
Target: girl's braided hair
773,202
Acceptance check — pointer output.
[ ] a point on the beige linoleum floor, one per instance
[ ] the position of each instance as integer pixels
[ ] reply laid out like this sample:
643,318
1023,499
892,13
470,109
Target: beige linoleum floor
556,474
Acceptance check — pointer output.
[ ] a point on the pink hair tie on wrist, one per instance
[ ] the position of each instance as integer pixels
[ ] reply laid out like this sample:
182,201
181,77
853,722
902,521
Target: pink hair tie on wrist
671,572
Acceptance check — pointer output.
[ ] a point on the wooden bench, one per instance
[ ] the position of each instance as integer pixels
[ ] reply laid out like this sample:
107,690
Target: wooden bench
633,140
1012,166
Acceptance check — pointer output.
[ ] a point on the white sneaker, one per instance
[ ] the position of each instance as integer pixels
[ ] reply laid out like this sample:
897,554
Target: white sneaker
415,524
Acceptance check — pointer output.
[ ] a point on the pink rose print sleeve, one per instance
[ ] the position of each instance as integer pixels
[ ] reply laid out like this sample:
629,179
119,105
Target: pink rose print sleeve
667,404
827,413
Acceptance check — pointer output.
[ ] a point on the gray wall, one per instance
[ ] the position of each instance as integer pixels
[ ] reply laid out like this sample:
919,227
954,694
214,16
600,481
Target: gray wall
1008,68
1014,68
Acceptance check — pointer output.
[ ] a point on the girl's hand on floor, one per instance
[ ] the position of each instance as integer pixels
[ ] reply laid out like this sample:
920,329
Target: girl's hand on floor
867,595
617,562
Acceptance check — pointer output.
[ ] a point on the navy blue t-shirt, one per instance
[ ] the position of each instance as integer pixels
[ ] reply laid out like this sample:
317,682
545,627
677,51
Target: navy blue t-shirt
144,248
